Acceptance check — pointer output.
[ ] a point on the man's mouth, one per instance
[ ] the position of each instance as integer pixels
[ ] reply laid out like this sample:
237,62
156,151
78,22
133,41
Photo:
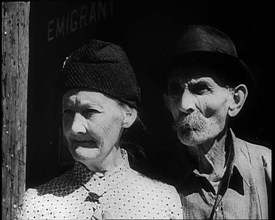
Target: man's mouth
185,128
193,122
182,125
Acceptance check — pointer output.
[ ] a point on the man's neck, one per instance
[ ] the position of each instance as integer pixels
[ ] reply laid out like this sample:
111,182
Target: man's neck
210,160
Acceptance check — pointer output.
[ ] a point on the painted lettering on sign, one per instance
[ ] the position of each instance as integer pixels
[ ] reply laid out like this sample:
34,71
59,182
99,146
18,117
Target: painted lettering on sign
79,18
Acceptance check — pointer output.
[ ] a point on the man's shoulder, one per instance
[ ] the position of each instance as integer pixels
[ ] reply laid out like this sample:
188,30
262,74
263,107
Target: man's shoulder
259,155
253,148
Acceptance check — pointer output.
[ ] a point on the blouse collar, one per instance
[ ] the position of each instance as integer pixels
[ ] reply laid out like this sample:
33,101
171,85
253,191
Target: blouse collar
83,174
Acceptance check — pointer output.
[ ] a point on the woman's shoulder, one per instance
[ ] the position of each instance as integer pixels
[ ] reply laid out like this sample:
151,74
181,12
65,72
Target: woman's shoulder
151,194
58,186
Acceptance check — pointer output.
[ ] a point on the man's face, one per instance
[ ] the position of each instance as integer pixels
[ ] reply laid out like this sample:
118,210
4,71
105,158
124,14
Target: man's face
92,124
198,104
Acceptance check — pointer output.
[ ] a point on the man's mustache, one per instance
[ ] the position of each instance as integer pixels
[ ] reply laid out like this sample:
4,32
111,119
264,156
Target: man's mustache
194,121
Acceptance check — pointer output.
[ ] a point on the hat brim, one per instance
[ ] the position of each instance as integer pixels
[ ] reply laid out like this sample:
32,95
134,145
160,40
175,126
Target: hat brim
232,69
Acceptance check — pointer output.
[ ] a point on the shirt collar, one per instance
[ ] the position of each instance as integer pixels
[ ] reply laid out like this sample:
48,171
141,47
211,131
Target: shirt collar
238,157
238,164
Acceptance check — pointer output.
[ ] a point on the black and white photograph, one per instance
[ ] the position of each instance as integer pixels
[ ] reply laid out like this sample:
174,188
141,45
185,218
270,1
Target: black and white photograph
116,109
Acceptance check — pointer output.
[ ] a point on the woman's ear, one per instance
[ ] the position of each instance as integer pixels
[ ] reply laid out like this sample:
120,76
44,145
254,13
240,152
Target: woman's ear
129,117
166,100
240,94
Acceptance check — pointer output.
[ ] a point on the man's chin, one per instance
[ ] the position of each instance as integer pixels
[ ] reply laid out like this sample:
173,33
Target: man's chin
189,139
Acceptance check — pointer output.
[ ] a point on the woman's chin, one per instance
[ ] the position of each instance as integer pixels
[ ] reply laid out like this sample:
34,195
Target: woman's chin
83,153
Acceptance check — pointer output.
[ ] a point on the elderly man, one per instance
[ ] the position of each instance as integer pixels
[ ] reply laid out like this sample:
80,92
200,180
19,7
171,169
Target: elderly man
206,85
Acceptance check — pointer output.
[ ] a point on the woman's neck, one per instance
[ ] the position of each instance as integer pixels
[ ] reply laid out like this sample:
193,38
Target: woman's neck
110,162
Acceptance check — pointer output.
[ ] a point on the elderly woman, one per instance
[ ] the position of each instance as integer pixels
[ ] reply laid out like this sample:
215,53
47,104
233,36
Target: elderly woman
99,101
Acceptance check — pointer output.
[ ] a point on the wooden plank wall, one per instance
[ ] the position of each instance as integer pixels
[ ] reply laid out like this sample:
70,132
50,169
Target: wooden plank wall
14,81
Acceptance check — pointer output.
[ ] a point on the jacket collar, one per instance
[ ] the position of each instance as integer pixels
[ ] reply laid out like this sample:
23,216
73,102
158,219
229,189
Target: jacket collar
241,157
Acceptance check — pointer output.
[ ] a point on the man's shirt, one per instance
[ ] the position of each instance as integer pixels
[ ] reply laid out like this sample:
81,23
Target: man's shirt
244,192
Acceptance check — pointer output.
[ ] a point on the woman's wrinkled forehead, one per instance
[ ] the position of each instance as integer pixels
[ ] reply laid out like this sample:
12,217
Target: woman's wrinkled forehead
88,97
84,96
72,93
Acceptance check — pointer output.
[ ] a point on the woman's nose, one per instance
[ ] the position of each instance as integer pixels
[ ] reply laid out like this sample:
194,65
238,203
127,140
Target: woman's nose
187,104
78,124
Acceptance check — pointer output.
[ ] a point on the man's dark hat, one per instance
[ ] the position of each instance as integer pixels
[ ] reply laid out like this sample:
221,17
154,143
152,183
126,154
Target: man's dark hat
103,67
205,45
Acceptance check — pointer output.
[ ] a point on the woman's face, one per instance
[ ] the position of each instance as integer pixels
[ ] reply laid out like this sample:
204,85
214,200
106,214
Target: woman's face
92,125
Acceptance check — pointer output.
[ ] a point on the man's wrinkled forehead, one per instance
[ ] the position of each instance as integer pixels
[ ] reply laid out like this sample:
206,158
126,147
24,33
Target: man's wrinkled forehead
188,73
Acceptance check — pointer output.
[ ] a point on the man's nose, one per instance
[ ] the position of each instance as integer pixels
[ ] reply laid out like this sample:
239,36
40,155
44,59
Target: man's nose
187,104
78,124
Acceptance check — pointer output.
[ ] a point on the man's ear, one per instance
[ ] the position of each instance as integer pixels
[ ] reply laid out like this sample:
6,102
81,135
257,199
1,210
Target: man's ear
130,115
240,94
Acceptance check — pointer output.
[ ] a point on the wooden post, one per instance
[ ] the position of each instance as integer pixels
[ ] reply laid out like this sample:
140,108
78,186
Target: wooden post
15,61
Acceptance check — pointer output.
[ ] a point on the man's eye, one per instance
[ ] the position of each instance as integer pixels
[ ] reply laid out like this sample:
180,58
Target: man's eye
199,89
89,112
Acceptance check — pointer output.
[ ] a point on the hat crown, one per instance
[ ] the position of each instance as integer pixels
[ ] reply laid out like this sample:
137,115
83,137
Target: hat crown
98,51
103,67
204,38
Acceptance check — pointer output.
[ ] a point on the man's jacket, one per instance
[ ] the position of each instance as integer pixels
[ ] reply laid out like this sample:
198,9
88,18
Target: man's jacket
245,194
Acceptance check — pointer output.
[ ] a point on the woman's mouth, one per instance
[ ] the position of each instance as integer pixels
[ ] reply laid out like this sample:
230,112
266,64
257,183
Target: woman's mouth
84,143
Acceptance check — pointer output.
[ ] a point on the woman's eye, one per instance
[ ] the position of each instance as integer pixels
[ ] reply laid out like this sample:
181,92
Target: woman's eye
175,89
68,111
